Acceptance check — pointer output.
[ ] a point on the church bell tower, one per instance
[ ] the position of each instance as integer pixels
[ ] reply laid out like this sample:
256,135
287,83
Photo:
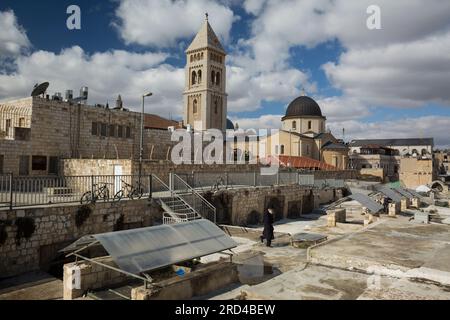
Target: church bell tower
205,98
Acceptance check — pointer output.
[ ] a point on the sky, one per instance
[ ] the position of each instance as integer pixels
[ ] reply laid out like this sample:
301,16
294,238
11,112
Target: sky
383,83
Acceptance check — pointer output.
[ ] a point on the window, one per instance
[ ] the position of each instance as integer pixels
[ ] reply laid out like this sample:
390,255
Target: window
294,125
199,73
112,130
194,77
21,122
213,77
39,163
2,158
309,125
216,107
128,133
103,129
8,126
53,165
218,78
94,129
120,131
282,149
194,106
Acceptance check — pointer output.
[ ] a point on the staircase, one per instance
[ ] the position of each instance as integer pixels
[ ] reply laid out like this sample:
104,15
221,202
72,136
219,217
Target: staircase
182,204
176,210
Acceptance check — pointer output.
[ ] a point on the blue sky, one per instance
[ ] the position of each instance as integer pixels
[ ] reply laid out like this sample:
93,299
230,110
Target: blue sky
375,83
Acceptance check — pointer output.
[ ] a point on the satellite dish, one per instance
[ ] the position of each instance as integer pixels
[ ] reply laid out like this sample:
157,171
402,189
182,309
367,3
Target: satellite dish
40,89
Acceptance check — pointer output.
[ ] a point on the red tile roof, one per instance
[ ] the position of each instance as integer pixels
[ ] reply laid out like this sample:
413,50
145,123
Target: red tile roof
153,121
301,163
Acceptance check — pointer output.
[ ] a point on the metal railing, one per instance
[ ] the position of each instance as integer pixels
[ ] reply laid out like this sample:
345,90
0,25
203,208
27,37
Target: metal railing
192,197
33,191
213,180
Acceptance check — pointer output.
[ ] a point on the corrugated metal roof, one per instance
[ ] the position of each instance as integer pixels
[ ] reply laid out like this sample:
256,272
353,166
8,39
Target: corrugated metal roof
367,202
140,250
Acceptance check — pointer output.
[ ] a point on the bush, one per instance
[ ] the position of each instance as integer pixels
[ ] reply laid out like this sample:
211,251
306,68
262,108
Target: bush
83,213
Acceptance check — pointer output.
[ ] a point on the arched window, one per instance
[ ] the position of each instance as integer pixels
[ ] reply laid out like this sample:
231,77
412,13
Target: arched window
216,106
199,76
282,149
294,125
218,78
192,58
201,56
194,106
194,77
213,76
309,125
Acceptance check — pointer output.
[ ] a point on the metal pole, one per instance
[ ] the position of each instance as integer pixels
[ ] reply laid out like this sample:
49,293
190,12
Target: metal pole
141,145
150,186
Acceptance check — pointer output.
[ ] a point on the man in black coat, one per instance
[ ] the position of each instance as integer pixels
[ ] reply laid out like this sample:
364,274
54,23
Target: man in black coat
268,226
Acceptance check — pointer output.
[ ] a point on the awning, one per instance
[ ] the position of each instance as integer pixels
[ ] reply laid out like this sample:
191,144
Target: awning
142,250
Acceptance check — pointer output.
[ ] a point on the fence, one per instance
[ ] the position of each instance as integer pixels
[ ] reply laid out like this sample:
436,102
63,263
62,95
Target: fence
204,180
32,191
193,198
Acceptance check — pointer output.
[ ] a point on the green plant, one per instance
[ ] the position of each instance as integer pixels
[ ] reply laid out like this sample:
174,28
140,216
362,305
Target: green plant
25,228
83,213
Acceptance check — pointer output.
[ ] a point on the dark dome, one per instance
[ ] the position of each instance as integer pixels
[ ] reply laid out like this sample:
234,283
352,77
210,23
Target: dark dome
230,125
303,106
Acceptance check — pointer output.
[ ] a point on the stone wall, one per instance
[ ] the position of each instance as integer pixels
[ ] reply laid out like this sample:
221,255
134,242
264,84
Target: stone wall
91,276
87,167
55,227
244,207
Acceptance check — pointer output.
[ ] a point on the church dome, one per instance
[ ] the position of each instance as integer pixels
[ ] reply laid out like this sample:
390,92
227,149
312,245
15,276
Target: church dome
230,125
303,107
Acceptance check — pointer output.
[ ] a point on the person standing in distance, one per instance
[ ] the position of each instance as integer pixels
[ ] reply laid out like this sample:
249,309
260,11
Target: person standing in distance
268,226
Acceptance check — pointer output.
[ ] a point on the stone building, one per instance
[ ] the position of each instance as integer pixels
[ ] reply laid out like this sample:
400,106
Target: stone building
303,134
205,98
414,147
376,160
36,133
415,172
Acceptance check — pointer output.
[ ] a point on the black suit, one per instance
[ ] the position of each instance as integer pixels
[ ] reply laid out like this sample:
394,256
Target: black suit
268,228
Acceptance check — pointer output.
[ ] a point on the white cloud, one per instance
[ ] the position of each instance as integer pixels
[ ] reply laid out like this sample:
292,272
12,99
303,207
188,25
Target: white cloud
404,64
247,90
107,74
402,74
164,22
267,121
13,39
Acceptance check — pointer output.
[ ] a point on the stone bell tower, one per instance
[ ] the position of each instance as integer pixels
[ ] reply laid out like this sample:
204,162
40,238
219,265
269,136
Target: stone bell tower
205,98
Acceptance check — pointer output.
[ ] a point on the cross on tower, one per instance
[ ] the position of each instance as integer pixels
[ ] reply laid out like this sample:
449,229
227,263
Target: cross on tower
207,15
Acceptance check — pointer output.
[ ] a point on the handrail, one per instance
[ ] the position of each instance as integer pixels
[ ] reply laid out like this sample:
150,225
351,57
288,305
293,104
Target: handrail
195,192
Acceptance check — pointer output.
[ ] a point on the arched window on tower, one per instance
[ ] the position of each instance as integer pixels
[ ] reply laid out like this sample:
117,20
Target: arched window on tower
194,77
309,125
199,76
294,125
194,106
213,76
216,106
218,78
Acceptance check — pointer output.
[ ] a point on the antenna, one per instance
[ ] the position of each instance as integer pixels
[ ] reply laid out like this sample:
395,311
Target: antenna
40,89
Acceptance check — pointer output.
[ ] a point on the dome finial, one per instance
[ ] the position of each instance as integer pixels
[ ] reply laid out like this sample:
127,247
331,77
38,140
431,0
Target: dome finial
303,92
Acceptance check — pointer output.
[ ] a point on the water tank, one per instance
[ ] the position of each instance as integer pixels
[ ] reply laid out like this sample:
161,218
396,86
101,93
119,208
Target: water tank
84,92
69,95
